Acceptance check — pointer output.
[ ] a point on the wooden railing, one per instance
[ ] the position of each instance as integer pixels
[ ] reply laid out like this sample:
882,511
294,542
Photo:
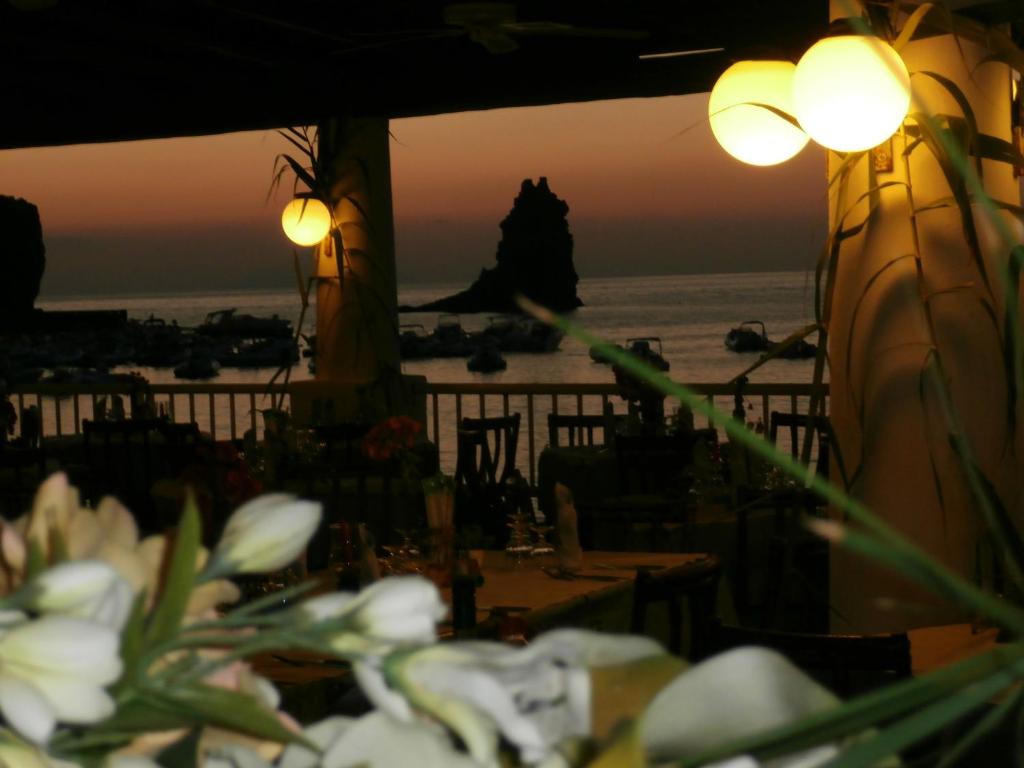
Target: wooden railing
227,411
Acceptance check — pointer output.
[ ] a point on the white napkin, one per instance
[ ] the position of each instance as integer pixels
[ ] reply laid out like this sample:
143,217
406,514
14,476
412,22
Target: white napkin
570,555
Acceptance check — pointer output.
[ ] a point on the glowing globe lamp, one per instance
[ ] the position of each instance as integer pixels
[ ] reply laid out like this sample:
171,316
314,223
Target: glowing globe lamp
306,221
851,92
750,132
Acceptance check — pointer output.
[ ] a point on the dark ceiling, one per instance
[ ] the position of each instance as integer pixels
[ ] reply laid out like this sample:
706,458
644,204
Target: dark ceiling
105,70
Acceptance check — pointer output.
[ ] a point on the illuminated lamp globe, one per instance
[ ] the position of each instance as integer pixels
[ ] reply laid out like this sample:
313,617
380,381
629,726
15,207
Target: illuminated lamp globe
851,92
306,221
749,132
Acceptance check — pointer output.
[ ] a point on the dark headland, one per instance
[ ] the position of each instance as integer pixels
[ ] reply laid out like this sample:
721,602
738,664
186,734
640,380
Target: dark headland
534,259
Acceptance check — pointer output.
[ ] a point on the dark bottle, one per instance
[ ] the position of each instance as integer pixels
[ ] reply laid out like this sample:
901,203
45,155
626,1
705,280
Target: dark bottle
464,583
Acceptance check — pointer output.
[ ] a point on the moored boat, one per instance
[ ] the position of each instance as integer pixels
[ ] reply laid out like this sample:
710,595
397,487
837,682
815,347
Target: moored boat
746,337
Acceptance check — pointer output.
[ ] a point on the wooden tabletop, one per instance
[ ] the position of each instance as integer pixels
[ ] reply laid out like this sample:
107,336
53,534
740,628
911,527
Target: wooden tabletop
527,588
932,648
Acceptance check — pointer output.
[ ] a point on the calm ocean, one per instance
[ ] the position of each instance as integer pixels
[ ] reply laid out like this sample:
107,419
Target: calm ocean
689,313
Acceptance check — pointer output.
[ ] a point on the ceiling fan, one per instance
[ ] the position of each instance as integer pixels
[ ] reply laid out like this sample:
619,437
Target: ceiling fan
495,25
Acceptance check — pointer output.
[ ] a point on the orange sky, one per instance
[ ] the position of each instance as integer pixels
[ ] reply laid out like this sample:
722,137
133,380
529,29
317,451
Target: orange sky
676,203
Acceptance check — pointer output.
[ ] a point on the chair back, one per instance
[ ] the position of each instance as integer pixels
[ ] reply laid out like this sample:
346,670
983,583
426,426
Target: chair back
487,450
484,466
578,430
847,664
696,584
798,424
652,463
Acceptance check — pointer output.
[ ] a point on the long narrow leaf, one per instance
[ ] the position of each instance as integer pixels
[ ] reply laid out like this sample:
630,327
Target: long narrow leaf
179,577
913,728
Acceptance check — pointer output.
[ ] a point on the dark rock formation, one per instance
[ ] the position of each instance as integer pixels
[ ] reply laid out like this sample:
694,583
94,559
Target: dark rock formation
534,259
22,260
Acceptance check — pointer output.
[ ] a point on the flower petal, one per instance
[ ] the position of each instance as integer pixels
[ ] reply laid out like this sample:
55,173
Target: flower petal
734,694
26,709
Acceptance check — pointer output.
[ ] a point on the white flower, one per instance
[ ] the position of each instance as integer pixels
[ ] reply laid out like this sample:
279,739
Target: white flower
55,669
394,612
324,735
87,589
376,741
265,534
108,534
535,696
730,696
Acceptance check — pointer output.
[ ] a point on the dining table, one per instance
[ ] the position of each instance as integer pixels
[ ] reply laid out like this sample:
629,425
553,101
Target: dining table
597,596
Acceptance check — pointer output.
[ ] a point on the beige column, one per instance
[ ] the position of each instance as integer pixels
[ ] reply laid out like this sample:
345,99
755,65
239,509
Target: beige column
356,297
915,310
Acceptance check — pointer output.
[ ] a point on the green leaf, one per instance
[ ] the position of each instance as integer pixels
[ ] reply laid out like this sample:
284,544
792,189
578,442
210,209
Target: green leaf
58,547
183,753
916,726
132,639
986,725
35,561
207,705
179,577
970,121
949,155
911,24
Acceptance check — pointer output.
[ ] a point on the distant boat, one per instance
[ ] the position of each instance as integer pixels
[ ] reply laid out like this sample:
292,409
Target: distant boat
414,343
641,347
450,338
798,350
486,359
197,366
746,338
225,322
520,334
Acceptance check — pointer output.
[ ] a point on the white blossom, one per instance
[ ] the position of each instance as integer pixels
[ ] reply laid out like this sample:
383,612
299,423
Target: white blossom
265,534
54,670
535,696
87,589
730,696
394,612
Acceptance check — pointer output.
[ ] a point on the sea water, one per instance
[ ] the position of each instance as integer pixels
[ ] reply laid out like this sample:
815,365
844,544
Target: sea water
690,314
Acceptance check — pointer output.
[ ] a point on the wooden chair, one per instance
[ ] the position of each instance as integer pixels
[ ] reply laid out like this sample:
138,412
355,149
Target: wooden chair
695,584
796,576
579,430
649,513
485,462
846,664
344,480
798,424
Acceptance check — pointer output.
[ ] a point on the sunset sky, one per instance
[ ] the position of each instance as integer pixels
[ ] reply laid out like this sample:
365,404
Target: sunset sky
191,214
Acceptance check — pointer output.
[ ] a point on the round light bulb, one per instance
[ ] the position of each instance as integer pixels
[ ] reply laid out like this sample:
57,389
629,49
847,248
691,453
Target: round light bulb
306,221
752,133
851,92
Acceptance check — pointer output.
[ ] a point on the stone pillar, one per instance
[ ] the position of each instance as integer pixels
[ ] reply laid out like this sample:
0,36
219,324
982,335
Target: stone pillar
356,297
907,288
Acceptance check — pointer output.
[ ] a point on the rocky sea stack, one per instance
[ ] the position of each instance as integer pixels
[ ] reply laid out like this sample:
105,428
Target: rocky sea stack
534,259
22,260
